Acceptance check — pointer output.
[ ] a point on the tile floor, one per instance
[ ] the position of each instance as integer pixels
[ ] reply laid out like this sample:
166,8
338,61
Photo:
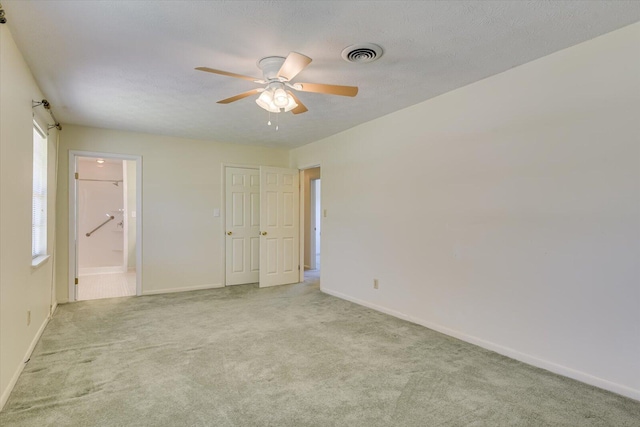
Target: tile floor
112,285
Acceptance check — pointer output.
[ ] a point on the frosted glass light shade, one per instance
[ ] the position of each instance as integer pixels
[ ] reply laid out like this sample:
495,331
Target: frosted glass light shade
280,98
291,103
266,100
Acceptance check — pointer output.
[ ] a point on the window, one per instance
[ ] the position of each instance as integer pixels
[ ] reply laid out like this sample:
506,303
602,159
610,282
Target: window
39,206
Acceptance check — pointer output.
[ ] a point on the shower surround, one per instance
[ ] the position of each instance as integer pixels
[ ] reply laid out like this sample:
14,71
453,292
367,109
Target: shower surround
100,198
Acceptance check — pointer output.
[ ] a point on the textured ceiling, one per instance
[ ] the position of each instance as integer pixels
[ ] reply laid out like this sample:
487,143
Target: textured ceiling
130,64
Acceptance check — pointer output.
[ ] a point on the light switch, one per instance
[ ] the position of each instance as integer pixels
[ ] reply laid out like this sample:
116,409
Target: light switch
133,214
324,213
216,212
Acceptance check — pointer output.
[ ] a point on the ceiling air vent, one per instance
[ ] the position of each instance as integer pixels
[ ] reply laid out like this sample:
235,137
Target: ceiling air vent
364,52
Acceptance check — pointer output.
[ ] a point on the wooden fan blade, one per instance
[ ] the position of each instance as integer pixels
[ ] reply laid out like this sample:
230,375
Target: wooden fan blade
300,108
329,89
240,96
226,73
294,63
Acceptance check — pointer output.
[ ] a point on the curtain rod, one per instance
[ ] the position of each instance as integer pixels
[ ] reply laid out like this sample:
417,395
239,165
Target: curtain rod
47,107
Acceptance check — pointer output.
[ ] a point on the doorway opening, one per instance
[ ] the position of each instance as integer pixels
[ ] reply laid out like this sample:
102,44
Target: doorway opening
104,226
314,232
312,223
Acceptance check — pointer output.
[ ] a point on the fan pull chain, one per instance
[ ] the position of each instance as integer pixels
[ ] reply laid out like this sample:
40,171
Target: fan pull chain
269,121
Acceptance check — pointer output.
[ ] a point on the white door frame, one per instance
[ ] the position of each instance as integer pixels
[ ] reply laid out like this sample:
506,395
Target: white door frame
73,155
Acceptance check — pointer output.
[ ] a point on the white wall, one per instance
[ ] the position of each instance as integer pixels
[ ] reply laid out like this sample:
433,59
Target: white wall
181,186
22,288
103,250
506,213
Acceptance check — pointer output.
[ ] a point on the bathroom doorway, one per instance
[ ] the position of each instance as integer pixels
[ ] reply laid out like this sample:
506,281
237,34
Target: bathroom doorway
104,231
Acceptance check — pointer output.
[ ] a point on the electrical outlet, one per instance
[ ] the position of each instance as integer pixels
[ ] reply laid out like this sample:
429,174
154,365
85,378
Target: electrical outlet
375,283
28,317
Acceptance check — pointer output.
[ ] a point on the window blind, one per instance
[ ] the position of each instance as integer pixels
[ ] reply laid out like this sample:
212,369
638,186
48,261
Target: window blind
39,206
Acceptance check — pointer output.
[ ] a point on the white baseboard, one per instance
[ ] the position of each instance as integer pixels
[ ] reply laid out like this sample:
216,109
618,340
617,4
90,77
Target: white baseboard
14,379
89,271
277,284
505,351
185,289
54,307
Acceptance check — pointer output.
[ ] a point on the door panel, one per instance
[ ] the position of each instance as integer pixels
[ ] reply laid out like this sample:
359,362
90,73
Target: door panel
271,255
255,206
287,255
242,189
279,219
237,245
237,208
255,254
271,209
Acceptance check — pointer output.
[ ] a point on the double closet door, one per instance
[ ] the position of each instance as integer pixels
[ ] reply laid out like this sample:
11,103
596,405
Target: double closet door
262,217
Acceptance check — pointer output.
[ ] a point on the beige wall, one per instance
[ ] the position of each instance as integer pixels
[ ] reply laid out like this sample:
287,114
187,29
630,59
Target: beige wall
505,213
22,288
181,186
309,175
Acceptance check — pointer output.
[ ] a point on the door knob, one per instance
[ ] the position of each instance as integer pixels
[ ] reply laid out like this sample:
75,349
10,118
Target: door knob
264,233
229,233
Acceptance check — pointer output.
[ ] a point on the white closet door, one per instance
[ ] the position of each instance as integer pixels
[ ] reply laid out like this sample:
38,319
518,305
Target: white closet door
242,216
279,226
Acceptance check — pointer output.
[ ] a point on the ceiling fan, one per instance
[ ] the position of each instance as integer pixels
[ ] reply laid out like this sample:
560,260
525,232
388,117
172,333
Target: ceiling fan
277,75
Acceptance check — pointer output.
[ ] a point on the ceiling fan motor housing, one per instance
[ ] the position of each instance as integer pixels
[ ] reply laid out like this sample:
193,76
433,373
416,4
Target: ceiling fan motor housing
270,66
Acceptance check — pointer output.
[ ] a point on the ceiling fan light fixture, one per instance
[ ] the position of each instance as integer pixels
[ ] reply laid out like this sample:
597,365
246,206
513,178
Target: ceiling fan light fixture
266,97
278,73
291,102
280,98
268,100
265,101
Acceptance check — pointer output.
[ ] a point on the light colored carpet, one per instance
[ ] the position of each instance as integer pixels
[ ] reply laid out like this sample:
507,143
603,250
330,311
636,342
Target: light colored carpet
283,356
110,285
